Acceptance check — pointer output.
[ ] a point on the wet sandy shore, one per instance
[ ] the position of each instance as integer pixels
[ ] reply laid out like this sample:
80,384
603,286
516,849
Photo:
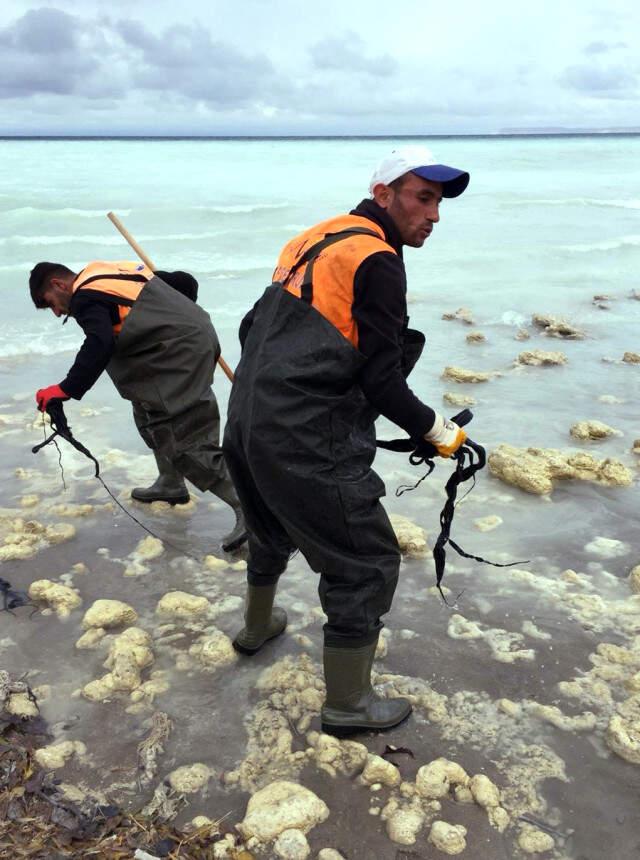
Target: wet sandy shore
512,683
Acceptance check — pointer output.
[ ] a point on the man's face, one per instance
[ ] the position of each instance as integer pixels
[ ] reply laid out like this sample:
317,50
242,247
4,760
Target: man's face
413,207
58,297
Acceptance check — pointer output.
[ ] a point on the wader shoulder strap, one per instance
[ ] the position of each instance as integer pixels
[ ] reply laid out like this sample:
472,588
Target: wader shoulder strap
309,256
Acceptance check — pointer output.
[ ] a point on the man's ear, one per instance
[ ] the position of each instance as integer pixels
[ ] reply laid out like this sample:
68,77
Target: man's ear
383,195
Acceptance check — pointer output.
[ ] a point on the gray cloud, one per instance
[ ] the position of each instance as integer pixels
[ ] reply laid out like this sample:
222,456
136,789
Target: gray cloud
185,60
100,59
603,47
611,81
347,54
40,53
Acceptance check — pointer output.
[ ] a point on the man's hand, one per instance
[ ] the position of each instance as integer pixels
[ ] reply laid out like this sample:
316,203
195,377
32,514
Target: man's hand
44,395
445,436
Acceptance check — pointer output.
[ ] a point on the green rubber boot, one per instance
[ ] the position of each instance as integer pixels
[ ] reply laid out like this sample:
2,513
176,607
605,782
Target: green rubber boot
352,705
238,535
262,620
169,486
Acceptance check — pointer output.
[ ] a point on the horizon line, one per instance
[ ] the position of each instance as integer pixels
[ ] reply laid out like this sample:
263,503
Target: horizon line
631,132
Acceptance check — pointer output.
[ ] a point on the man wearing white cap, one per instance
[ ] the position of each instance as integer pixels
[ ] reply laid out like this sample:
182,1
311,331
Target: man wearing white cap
325,351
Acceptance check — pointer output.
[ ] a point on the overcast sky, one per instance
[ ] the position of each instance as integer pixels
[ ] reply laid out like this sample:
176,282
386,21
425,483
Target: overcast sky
335,67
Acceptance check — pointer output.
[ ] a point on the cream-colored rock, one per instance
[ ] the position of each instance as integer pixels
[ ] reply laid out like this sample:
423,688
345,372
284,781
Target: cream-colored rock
534,841
130,652
60,597
534,470
149,548
55,756
591,430
201,821
607,547
461,374
91,639
281,806
454,772
329,854
541,358
404,825
60,532
631,357
458,399
109,613
464,315
68,510
462,794
15,551
432,780
522,334
29,501
180,604
623,737
21,705
498,818
555,327
485,793
635,448
634,579
475,337
189,778
378,769
337,756
99,690
213,563
448,838
487,524
292,845
214,650
411,538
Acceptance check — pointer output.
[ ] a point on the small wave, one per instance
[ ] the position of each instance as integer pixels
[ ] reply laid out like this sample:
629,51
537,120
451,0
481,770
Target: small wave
111,241
605,245
577,201
39,345
68,210
513,318
240,208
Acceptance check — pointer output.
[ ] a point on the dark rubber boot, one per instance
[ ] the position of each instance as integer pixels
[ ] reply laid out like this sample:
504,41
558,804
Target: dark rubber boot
169,486
262,621
352,705
225,491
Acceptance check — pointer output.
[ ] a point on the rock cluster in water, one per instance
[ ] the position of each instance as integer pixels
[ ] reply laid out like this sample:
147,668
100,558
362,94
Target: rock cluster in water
536,469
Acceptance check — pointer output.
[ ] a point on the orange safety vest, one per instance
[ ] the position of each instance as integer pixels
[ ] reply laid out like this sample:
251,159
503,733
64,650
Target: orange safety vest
334,268
122,280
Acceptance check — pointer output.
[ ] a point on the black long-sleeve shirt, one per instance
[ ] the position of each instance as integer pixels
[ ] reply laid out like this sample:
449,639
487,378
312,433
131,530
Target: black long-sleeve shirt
96,313
380,311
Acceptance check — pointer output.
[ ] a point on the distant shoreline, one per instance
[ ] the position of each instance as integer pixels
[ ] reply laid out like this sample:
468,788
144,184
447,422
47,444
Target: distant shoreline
285,137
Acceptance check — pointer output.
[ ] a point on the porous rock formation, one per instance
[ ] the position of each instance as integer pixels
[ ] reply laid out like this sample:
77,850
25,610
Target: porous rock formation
536,469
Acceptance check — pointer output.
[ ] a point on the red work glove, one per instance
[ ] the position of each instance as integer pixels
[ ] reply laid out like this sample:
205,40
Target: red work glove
44,395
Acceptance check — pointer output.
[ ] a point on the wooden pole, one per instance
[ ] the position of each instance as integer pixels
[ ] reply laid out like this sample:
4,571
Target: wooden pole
117,223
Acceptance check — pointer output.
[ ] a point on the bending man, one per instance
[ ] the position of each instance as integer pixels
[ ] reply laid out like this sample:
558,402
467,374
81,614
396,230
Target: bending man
160,349
325,350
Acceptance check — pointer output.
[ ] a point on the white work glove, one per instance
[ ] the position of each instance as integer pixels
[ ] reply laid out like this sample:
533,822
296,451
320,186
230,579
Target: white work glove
445,436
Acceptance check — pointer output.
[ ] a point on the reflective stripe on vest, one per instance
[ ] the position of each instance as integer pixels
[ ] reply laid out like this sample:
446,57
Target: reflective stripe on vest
122,280
334,269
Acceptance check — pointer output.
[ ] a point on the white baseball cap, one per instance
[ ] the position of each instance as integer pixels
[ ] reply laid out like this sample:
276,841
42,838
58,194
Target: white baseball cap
421,161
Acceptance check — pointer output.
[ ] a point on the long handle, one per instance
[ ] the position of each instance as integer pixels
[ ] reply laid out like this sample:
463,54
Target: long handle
117,223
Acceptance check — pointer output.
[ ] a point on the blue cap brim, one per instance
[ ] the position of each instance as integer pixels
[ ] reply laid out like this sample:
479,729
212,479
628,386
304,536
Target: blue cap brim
453,181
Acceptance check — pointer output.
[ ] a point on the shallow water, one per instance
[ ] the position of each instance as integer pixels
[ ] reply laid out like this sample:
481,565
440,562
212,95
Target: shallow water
565,776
